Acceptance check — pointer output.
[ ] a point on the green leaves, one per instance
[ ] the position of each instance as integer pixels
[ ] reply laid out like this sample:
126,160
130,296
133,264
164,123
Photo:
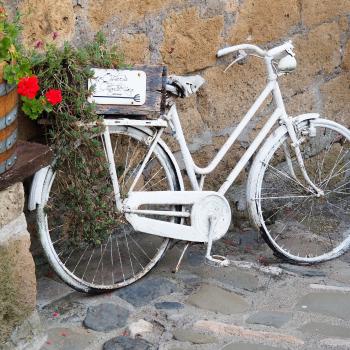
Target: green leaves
35,107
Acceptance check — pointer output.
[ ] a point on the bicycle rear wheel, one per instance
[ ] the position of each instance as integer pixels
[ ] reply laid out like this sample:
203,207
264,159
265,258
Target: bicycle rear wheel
120,255
296,224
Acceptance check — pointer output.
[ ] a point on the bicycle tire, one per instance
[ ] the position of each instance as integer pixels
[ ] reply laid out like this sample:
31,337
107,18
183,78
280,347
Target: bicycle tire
299,226
147,255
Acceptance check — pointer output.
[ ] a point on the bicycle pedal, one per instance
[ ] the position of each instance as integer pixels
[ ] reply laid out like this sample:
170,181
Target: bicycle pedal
217,261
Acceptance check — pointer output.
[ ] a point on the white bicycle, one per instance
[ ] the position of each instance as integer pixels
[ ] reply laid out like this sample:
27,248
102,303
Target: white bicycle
297,190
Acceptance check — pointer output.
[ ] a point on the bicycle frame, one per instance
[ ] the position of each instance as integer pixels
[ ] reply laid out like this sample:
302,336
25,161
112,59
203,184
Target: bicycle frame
192,169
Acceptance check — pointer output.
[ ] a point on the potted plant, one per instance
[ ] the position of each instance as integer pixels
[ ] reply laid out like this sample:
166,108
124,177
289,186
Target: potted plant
16,78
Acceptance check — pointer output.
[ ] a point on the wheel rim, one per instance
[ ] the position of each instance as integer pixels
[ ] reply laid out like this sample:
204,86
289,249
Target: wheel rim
297,223
125,255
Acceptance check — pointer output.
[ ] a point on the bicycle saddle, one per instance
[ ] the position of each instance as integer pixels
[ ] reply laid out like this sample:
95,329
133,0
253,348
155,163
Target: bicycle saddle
185,85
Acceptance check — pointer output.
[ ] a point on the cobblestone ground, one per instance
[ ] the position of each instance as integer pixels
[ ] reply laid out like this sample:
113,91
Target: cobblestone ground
257,303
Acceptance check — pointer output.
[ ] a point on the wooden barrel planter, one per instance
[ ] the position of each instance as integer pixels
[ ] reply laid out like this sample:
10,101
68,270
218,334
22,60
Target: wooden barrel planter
8,123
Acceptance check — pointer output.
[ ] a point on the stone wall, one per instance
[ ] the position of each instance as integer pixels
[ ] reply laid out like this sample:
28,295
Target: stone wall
185,35
17,273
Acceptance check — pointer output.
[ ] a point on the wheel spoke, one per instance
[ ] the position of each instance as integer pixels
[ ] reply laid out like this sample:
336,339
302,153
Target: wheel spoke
301,225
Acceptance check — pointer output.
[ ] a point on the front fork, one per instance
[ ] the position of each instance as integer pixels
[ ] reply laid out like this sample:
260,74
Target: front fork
296,145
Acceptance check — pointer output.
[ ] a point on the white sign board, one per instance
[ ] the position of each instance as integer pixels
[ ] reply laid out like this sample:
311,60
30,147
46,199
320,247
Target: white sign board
118,87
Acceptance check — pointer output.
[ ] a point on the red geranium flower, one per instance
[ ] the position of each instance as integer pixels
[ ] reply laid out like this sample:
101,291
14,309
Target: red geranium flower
28,87
54,96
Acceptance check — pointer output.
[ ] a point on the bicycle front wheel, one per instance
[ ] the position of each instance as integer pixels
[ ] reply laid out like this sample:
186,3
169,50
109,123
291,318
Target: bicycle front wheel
115,255
296,223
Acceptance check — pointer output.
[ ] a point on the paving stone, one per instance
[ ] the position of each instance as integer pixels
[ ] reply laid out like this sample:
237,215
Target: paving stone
139,328
216,299
50,291
188,277
270,318
106,317
335,343
232,276
143,292
300,270
126,343
327,303
227,329
195,258
248,346
168,305
184,335
67,339
341,275
325,329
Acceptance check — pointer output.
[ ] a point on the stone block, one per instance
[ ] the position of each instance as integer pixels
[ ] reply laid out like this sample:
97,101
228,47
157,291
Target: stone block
61,338
42,18
346,57
225,329
226,97
216,299
126,11
190,42
135,48
270,318
315,11
11,203
143,292
325,330
317,52
301,103
191,119
206,153
50,291
30,335
335,304
139,328
188,335
106,317
17,283
261,21
336,99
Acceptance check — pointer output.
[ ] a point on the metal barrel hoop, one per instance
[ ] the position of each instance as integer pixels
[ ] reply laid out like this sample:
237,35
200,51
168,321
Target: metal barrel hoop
8,126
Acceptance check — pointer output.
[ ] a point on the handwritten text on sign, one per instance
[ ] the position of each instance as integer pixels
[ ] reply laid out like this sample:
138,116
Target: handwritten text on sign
118,87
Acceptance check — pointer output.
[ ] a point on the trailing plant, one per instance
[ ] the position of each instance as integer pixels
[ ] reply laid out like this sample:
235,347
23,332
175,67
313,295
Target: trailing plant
83,191
52,83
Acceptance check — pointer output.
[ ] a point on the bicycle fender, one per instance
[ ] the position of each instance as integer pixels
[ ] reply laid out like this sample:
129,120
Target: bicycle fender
306,116
36,188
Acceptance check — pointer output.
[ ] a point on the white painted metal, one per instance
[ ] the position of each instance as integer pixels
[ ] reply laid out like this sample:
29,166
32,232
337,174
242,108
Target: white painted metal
250,151
170,213
237,131
112,167
37,188
194,171
210,212
206,204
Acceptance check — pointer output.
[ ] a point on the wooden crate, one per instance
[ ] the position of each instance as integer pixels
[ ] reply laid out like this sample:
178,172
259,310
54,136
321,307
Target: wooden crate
155,96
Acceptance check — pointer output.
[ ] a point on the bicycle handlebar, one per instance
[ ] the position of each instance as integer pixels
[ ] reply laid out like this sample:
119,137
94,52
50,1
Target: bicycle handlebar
287,46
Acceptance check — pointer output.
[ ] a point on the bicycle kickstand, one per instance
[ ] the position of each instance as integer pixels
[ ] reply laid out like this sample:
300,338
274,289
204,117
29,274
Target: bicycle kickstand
214,260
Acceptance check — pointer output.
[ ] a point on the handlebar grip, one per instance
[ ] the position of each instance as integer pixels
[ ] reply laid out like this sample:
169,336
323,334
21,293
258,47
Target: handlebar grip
225,51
